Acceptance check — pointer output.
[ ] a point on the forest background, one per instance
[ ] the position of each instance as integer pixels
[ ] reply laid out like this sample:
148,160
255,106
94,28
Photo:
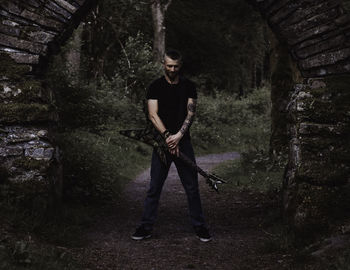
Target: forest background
102,74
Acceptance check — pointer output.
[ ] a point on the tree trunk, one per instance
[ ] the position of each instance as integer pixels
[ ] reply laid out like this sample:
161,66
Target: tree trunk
158,15
73,55
253,80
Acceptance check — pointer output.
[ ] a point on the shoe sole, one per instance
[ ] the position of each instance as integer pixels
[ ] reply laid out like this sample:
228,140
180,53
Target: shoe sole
138,238
204,239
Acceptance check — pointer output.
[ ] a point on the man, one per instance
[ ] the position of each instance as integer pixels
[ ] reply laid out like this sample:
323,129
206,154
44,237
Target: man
171,102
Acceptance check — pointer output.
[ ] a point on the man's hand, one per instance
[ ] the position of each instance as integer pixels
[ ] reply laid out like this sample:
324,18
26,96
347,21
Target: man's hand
173,140
175,151
173,143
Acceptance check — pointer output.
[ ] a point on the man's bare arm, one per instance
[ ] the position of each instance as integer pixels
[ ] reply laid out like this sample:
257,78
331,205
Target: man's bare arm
174,140
191,111
152,105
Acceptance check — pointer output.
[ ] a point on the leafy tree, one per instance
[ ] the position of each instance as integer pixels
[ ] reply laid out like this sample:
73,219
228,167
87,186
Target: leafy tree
107,28
225,41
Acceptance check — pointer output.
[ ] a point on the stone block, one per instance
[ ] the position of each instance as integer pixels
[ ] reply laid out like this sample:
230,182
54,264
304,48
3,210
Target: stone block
26,113
66,5
37,14
29,33
76,3
306,10
33,176
39,153
26,152
340,68
25,58
11,6
343,20
295,36
25,91
45,22
34,3
21,44
15,18
321,47
284,13
8,91
49,13
315,21
320,38
324,59
58,9
9,30
40,36
11,151
11,135
328,130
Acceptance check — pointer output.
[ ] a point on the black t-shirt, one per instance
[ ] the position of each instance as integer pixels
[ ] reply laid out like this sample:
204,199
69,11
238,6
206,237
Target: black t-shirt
172,101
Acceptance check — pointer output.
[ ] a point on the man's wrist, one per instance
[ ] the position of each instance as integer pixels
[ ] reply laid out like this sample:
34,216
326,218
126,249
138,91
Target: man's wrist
166,133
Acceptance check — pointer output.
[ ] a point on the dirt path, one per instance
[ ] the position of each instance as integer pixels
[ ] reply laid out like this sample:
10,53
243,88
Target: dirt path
234,219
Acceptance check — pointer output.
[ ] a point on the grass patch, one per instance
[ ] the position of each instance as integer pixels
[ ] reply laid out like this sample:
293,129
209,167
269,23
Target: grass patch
27,254
249,177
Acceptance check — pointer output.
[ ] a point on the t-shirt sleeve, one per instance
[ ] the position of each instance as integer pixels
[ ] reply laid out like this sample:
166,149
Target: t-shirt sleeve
192,90
152,92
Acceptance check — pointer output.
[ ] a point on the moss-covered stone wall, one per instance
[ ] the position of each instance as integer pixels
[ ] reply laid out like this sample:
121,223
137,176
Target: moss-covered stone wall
319,159
26,151
30,32
310,113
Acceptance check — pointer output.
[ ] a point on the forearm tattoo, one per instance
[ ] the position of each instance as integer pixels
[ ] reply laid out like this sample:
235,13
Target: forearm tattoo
191,109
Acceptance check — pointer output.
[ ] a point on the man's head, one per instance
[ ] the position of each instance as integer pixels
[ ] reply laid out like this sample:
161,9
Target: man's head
172,64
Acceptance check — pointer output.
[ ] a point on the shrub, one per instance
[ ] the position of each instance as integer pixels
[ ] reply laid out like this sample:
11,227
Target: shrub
228,122
94,156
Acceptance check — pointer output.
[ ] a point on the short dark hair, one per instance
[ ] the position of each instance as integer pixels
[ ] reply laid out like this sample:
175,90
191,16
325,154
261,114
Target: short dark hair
173,54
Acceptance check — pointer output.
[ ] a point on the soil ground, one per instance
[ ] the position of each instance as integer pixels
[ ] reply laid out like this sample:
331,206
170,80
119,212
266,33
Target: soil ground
235,219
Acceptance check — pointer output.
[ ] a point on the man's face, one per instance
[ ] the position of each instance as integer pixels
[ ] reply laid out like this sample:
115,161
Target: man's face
171,67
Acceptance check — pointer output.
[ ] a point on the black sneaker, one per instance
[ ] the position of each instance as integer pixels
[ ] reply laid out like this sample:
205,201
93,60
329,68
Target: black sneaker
141,233
203,233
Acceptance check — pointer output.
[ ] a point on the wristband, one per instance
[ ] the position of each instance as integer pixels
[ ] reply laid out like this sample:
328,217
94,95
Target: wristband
166,133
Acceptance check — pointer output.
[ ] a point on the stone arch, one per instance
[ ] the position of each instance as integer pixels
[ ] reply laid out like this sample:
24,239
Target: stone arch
315,104
315,33
30,32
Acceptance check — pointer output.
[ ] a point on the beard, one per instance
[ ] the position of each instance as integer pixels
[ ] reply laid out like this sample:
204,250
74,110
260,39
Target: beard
172,74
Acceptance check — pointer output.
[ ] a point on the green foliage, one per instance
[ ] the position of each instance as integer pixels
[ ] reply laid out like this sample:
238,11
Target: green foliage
27,254
96,166
243,125
251,174
90,168
135,71
224,41
97,161
110,24
229,122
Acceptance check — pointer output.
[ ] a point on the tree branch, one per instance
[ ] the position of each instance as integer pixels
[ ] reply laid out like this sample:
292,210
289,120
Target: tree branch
167,5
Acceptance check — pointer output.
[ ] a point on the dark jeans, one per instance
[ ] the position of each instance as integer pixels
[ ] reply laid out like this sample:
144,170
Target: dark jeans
189,180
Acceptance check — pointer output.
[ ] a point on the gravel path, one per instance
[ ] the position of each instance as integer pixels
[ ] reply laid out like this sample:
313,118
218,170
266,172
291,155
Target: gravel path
234,219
